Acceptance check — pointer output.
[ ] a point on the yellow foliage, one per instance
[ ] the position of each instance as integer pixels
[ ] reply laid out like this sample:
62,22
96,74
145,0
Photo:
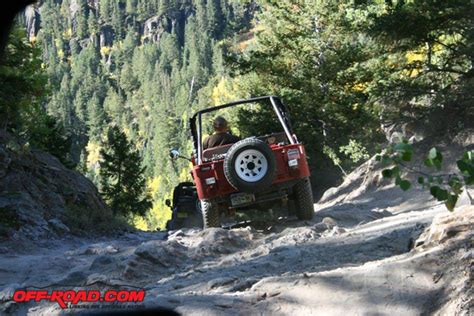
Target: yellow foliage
33,39
159,215
67,34
414,56
105,50
154,185
224,91
359,87
139,222
93,155
61,53
258,28
126,131
184,175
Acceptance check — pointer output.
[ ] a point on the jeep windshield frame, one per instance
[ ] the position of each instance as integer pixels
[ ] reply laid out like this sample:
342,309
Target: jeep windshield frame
279,108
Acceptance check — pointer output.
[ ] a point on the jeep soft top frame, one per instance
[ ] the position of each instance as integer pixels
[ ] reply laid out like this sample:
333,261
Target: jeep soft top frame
279,108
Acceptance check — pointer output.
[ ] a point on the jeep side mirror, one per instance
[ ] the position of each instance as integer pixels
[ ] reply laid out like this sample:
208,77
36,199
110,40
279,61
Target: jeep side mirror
174,154
168,202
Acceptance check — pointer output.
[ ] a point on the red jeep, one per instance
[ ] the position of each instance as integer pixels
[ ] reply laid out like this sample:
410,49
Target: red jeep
254,173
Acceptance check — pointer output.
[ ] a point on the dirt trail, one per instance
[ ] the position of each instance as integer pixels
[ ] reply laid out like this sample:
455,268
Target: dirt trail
357,254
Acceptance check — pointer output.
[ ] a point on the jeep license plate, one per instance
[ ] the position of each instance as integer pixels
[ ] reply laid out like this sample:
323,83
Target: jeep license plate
241,198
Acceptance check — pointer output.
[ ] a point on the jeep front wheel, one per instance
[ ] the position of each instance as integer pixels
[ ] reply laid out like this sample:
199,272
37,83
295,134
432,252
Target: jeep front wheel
210,214
304,199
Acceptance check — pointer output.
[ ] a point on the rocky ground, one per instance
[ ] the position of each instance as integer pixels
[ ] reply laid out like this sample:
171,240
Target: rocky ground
388,259
371,249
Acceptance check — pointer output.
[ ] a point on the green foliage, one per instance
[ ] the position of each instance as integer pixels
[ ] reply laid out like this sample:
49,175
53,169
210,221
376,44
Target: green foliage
22,81
355,151
311,54
435,158
48,134
466,166
123,177
428,54
445,188
23,88
345,68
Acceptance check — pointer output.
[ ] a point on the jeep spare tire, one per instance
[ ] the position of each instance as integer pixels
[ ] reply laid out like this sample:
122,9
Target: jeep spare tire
250,165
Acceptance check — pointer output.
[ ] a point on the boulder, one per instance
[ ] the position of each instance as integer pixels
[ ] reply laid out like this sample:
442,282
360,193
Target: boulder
217,241
39,196
448,226
58,226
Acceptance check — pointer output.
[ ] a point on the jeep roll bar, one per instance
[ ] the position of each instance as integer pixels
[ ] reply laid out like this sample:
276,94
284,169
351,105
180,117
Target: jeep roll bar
280,110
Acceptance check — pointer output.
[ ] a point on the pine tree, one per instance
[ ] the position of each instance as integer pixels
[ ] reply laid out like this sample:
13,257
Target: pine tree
96,118
130,6
122,176
104,9
22,81
81,19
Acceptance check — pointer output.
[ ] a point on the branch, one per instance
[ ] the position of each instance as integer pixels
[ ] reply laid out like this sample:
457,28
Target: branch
450,70
423,173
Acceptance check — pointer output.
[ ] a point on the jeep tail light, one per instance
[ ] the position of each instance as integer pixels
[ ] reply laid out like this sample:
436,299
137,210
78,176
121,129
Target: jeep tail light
210,181
293,153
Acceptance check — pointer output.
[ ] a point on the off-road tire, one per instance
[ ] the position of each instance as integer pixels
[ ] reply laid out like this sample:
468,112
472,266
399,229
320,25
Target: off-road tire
230,160
210,214
304,199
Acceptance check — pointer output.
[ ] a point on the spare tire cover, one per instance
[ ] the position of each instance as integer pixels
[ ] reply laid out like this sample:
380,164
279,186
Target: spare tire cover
250,165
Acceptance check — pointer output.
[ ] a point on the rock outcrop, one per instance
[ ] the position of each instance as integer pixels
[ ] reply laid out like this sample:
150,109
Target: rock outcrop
106,36
39,197
32,21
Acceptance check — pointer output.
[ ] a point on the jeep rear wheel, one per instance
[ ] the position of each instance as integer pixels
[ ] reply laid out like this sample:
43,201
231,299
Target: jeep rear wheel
250,165
304,200
210,214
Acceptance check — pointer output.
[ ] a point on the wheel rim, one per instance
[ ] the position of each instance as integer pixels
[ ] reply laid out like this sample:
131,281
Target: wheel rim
251,165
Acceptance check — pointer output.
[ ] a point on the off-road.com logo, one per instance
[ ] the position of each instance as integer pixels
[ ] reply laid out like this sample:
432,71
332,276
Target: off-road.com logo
80,296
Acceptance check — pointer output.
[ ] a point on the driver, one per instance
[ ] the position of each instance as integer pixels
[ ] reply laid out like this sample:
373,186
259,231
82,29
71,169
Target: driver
221,134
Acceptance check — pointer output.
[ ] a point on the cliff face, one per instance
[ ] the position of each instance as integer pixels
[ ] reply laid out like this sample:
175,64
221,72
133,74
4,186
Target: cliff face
150,29
32,21
40,198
